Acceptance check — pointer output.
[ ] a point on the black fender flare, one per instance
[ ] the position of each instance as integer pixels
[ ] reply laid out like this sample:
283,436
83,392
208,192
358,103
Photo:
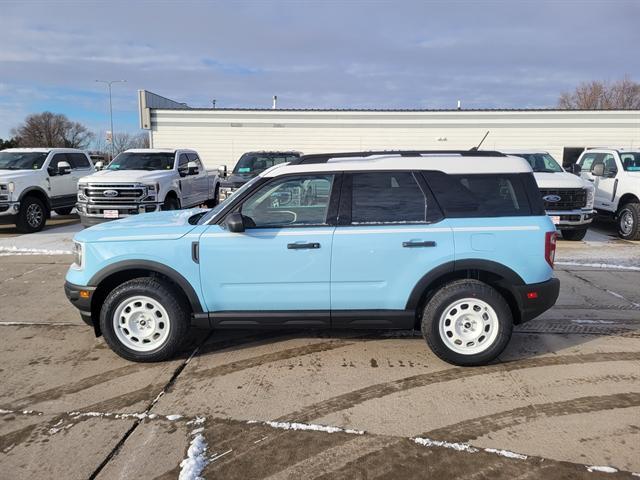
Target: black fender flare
511,278
152,266
40,190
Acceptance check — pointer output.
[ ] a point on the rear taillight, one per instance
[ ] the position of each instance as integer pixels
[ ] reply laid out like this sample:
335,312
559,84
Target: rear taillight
550,247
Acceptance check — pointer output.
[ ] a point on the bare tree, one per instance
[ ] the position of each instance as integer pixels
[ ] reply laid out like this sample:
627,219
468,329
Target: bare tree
601,95
125,141
52,130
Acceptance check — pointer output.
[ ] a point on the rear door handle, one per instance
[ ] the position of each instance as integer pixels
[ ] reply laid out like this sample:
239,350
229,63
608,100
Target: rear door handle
301,246
412,244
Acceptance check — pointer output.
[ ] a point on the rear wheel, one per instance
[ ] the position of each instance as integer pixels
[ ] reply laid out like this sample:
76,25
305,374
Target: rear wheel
32,215
144,320
467,322
63,211
629,221
574,235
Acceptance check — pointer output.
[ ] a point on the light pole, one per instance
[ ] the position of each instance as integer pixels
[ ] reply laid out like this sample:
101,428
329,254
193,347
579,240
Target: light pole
109,83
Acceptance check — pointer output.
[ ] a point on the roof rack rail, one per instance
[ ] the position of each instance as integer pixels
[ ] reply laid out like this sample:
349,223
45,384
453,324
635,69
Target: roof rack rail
325,157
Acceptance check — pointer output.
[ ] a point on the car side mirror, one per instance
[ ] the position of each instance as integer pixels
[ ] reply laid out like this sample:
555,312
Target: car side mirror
222,171
64,168
235,222
598,170
99,165
183,170
575,169
192,168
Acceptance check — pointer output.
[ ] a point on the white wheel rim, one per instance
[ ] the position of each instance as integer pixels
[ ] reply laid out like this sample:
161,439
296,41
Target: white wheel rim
468,326
141,323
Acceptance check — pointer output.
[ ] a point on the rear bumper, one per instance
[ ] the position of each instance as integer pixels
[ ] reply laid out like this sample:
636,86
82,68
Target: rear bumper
536,298
82,303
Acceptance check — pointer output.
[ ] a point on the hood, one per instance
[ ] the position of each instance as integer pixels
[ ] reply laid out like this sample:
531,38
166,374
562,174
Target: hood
13,175
127,176
169,225
237,179
558,180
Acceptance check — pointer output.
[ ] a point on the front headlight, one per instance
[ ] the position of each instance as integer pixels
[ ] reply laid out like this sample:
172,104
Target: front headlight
591,195
12,187
78,255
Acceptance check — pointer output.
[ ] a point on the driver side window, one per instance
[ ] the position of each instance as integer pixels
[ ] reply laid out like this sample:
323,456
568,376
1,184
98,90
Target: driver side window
288,202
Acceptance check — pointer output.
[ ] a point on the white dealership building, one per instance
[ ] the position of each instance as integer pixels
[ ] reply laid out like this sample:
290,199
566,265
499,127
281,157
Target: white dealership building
221,135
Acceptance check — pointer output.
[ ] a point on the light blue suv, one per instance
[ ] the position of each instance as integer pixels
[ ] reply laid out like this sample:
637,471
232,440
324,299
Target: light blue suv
456,243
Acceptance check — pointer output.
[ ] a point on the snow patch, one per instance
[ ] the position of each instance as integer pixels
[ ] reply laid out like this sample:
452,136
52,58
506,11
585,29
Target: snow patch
171,418
3,411
599,265
604,469
14,250
196,421
192,466
601,322
308,426
506,453
460,447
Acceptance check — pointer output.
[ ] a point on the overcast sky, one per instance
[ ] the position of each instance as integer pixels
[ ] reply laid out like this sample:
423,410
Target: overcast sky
313,54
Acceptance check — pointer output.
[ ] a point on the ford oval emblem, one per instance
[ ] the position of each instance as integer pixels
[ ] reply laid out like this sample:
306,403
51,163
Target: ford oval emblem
548,198
110,193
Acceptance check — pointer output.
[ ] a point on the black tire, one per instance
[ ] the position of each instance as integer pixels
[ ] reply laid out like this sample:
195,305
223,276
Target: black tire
63,211
444,298
214,201
32,215
628,221
574,235
171,203
164,294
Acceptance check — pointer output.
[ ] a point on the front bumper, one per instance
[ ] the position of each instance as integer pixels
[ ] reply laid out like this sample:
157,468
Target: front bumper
93,214
9,209
536,298
81,301
571,219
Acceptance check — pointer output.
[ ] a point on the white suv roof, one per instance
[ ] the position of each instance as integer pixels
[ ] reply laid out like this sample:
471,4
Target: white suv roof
522,151
44,150
444,162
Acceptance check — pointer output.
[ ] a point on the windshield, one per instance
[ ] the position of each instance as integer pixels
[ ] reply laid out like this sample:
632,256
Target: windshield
630,161
541,162
215,210
22,160
143,161
254,163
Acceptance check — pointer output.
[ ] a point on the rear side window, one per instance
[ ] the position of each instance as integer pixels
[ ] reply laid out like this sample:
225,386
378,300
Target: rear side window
78,160
387,197
495,195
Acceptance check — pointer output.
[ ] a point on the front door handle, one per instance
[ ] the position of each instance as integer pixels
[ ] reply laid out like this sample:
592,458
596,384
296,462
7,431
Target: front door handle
591,179
413,244
301,246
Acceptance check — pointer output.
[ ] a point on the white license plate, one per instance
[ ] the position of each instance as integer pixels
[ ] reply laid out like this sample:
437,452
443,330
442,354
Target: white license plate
111,214
555,219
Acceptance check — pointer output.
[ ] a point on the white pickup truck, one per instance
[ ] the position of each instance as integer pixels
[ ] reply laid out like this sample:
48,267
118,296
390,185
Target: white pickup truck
615,173
35,181
146,180
568,200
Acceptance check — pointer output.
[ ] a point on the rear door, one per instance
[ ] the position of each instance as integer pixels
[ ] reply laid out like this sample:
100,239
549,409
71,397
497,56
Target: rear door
390,234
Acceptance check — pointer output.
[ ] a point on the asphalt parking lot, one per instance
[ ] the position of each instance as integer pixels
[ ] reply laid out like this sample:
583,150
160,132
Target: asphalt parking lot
562,399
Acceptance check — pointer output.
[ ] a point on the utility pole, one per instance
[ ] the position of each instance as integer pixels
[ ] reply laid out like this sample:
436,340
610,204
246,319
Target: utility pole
109,83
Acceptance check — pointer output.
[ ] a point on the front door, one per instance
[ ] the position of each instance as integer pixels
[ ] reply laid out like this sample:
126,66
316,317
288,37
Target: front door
277,271
63,187
199,182
389,235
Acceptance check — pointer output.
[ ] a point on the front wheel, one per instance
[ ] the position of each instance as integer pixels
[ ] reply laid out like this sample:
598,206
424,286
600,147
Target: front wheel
467,322
574,235
144,320
171,203
629,221
32,215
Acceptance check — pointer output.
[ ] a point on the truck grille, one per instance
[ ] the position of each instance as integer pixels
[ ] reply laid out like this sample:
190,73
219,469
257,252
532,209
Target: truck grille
570,198
95,193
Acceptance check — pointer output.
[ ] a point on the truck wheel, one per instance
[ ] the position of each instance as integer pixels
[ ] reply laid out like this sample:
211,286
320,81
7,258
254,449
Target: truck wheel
144,320
63,211
574,235
171,203
214,201
467,322
629,221
32,215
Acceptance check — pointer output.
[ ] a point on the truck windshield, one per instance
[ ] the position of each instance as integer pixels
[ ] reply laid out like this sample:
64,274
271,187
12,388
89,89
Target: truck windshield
541,162
22,160
254,163
630,161
215,210
143,161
